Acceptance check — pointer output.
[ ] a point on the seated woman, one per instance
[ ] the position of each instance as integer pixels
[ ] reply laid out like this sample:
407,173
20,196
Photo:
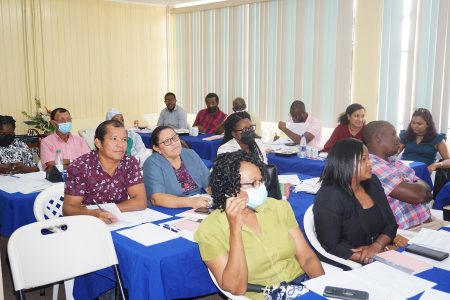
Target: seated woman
106,175
352,216
173,174
135,145
15,156
421,141
250,238
351,124
240,135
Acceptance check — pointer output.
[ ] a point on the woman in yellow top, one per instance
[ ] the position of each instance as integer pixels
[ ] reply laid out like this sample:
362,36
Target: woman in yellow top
250,238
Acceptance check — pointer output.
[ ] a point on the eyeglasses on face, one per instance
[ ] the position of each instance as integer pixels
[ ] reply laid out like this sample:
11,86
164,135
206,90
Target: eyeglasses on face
251,128
167,142
256,184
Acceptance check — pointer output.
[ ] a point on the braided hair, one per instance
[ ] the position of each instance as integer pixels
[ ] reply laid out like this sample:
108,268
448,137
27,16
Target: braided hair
225,178
7,120
230,126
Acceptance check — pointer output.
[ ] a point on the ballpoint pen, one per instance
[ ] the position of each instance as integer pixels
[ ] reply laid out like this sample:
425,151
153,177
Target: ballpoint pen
167,226
98,205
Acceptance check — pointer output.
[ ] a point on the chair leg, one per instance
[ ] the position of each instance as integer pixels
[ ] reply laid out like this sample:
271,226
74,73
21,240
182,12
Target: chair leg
21,295
55,291
68,286
119,282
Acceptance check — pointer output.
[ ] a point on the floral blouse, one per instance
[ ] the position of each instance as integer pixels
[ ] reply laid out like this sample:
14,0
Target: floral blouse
17,152
185,179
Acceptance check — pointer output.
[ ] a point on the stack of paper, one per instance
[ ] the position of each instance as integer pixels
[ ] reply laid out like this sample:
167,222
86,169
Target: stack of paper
191,214
186,228
149,234
402,262
310,186
291,179
438,240
24,183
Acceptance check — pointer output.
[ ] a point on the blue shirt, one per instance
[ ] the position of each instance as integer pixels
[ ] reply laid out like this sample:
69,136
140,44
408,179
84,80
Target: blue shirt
424,152
159,176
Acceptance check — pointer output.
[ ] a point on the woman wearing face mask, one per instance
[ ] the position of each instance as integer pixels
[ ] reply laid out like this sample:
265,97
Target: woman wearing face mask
351,124
15,157
250,238
352,216
240,135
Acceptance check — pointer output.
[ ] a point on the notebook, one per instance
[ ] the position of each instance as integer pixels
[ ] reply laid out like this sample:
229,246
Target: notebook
402,262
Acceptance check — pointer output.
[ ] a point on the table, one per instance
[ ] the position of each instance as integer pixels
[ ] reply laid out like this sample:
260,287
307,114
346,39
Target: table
205,149
295,164
16,210
443,198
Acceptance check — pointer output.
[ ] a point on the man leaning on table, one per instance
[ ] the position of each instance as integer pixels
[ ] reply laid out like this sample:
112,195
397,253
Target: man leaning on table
407,194
209,119
173,115
313,128
106,175
71,146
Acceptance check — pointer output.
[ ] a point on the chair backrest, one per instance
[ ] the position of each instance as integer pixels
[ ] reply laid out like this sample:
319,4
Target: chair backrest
88,135
38,257
228,294
310,231
49,202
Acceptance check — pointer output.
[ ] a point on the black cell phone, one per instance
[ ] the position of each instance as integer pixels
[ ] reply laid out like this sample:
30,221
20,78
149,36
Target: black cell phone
342,293
427,252
203,210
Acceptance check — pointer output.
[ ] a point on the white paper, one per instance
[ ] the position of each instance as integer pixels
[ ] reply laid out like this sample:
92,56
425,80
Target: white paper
145,216
184,233
444,264
433,294
311,186
292,179
298,128
379,280
279,142
24,183
439,240
213,137
191,214
148,234
121,222
407,162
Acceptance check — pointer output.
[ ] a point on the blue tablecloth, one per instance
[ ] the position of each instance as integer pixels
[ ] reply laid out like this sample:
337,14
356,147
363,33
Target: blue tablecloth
16,210
205,149
295,164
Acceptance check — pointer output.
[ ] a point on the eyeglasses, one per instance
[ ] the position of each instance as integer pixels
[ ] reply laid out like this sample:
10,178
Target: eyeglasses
256,184
251,128
167,142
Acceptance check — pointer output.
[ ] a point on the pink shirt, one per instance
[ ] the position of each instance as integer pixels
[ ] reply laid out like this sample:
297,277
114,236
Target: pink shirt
72,149
314,127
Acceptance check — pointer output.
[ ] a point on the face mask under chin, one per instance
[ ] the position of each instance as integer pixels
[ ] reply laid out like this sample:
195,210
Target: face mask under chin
6,140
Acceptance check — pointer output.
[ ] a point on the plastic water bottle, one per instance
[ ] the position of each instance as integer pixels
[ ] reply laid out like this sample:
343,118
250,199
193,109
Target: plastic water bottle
59,161
302,147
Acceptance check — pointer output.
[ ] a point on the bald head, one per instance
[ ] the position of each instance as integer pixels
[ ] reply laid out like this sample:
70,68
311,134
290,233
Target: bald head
239,104
381,139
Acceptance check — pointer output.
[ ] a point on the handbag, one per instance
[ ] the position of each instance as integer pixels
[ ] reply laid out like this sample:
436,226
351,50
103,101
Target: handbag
441,178
272,183
54,175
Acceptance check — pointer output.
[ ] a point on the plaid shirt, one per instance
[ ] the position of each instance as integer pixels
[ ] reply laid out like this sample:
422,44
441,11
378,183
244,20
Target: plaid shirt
391,173
209,121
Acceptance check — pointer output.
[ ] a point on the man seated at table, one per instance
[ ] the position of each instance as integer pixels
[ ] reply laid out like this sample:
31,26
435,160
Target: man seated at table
407,194
173,115
239,105
312,126
106,175
210,118
71,146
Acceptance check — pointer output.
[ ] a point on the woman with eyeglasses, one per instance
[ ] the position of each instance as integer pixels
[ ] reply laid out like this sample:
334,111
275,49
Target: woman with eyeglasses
421,142
173,174
240,135
15,156
251,238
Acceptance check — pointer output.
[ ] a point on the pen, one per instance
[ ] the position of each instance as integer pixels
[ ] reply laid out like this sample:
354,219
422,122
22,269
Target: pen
167,226
14,176
98,205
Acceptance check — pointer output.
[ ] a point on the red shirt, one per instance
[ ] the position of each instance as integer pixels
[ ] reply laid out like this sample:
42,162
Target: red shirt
339,133
209,121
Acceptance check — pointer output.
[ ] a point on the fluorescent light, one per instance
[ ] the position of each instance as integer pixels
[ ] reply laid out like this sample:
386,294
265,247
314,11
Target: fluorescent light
194,3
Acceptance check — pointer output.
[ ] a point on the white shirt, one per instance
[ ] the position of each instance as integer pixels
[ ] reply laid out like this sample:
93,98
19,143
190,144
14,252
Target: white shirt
232,146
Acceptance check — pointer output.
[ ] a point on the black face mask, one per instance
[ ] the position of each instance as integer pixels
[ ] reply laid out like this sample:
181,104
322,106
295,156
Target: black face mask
6,140
212,109
248,137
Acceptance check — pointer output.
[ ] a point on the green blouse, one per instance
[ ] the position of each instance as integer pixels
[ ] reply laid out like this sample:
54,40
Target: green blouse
270,256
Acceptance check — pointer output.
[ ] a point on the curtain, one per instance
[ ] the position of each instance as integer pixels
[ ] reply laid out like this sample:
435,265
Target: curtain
270,53
416,73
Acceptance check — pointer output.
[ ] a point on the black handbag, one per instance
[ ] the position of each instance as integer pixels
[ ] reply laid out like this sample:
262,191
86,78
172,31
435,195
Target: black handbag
441,178
272,183
54,175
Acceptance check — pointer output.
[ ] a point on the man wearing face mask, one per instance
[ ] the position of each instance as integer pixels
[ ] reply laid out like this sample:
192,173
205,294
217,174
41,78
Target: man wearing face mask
210,118
240,135
70,145
15,156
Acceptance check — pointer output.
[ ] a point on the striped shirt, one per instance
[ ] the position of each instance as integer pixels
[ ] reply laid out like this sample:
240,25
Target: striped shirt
391,173
209,121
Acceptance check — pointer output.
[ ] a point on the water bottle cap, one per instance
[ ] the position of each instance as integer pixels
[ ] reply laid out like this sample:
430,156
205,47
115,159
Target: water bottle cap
58,150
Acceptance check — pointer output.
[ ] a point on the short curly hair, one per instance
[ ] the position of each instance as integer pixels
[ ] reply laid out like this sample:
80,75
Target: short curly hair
8,120
225,179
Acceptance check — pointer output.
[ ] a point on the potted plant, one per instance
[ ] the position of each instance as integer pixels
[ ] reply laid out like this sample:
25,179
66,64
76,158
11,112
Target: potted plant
41,119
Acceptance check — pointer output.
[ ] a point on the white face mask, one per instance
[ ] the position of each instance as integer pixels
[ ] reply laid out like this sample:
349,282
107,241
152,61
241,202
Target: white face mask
256,196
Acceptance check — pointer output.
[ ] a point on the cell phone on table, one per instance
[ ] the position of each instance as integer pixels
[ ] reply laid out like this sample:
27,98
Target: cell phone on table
343,293
203,210
427,252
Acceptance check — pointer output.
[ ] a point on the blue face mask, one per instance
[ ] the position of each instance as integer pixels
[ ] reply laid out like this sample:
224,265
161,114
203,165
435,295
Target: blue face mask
65,128
256,196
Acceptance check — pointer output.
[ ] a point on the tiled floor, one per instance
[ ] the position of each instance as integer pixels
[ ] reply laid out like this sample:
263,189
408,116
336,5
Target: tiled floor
35,294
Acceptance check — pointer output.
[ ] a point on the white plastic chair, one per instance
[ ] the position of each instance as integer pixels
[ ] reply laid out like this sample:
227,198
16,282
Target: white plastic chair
88,135
228,294
83,245
310,230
